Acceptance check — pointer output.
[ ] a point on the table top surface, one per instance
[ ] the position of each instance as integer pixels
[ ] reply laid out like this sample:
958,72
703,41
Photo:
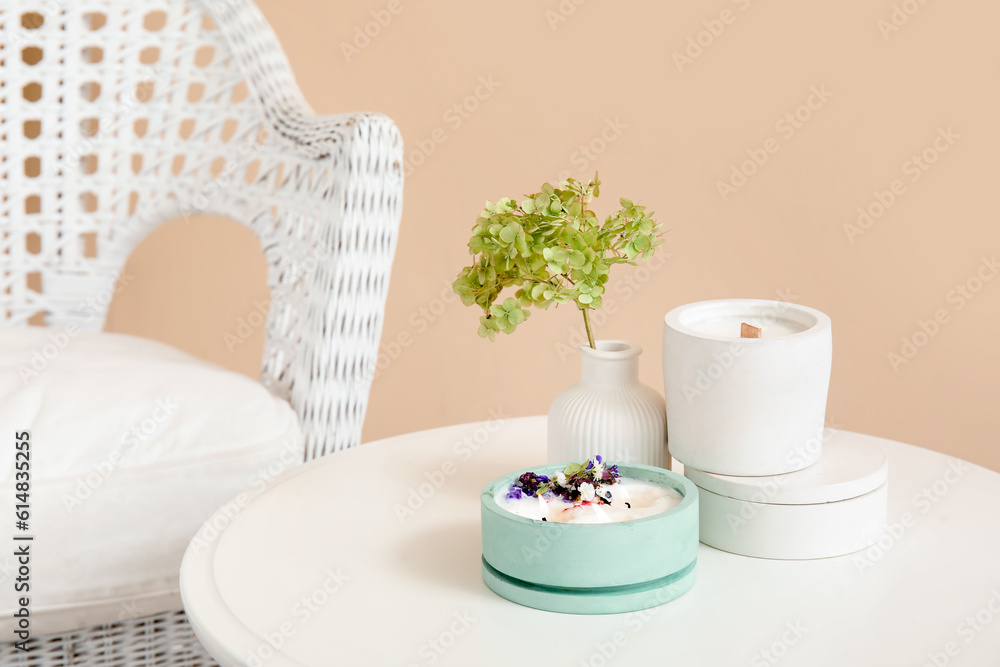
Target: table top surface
372,556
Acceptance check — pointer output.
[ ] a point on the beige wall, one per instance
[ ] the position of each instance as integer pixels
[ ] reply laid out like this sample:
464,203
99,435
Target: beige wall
606,76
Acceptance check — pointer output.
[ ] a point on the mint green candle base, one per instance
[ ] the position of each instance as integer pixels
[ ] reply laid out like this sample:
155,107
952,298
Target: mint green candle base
606,600
602,568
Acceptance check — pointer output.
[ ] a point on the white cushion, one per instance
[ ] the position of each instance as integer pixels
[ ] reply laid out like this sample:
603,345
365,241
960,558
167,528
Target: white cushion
133,445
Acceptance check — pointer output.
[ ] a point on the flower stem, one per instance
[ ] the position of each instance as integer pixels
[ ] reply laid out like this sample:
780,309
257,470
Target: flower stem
586,323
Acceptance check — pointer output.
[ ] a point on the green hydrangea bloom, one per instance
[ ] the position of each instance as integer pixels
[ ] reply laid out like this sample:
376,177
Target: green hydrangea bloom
553,250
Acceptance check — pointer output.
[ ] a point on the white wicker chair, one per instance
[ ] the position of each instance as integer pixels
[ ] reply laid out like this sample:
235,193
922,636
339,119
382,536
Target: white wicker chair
119,115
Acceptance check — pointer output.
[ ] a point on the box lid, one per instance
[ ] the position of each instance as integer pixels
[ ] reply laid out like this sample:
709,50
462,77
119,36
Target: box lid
851,465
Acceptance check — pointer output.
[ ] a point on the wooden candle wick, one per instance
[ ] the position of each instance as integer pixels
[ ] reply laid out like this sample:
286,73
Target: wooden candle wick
749,331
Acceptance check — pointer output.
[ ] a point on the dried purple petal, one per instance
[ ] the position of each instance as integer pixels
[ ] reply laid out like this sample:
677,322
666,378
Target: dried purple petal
528,484
566,486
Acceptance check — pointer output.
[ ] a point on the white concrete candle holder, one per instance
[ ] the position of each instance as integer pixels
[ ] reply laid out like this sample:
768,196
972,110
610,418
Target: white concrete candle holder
746,406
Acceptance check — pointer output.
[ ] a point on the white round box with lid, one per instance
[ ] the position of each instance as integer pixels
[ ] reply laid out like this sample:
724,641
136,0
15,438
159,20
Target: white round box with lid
746,406
834,507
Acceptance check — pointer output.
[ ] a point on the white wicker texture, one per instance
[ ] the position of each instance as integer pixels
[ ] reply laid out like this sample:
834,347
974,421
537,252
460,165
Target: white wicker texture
119,115
164,640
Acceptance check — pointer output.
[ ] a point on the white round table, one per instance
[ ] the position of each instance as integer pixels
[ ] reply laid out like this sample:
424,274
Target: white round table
372,556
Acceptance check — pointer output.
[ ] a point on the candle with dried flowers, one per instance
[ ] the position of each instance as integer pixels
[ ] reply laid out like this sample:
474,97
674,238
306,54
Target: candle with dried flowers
590,493
590,538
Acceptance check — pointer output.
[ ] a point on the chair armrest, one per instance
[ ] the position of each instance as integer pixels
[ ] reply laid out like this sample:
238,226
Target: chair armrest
329,225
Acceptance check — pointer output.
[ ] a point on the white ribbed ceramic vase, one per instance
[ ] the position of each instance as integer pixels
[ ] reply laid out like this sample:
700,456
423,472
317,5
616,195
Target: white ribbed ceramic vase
609,412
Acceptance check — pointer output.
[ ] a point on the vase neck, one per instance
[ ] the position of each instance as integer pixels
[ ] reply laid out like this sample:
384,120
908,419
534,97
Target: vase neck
613,362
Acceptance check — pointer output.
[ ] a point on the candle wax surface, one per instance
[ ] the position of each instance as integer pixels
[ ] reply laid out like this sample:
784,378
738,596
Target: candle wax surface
729,326
630,499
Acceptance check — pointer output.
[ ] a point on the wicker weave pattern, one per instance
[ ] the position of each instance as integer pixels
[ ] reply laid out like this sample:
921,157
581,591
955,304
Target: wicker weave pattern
120,115
157,641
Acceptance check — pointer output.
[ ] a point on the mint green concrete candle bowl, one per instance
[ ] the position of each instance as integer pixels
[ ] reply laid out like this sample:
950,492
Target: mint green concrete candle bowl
591,568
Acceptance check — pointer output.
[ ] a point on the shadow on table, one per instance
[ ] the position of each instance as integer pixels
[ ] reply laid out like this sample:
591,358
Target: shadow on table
447,556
